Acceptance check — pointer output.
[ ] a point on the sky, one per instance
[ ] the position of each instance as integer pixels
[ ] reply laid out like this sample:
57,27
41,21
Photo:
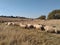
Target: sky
28,8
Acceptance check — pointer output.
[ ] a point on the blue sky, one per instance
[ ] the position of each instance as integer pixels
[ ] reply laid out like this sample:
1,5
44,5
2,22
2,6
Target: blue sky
28,8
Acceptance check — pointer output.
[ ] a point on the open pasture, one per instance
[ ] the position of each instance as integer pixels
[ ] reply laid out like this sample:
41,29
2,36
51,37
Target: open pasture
15,35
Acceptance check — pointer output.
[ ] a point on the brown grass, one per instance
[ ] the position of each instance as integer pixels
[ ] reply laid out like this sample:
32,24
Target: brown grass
14,35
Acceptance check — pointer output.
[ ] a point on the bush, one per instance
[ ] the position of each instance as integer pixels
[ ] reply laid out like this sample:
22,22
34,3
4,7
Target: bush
55,14
42,17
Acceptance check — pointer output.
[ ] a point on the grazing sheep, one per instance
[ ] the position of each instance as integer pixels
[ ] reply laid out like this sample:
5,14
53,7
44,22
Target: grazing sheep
22,25
29,26
42,27
50,29
13,23
37,26
16,24
10,23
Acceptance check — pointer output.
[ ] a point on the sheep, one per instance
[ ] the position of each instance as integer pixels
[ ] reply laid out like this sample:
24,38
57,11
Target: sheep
37,26
29,26
50,29
42,27
13,23
22,25
16,24
10,23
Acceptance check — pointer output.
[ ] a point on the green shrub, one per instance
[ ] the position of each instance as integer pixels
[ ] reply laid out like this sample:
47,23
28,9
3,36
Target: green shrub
42,17
55,14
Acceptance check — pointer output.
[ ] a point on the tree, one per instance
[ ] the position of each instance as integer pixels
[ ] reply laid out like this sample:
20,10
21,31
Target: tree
42,17
55,14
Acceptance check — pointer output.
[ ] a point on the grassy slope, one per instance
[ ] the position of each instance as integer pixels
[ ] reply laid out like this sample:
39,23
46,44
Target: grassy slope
14,35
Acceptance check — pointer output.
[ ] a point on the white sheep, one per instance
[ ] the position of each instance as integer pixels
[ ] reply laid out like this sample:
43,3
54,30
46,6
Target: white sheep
13,23
16,24
37,26
10,23
50,29
29,26
22,25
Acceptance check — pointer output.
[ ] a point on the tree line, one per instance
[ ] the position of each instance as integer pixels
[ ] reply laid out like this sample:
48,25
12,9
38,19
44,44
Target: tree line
55,14
13,17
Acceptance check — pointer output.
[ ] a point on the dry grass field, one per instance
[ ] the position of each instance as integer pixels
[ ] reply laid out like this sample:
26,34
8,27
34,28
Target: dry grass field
15,35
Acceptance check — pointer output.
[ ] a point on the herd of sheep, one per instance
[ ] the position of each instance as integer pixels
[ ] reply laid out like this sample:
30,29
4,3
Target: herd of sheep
51,29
